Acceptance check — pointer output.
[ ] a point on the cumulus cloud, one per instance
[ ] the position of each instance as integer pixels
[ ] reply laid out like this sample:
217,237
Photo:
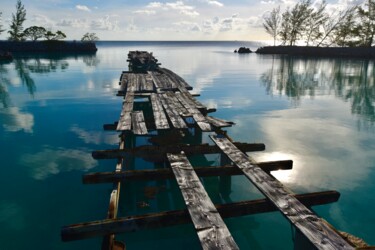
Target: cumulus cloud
51,161
104,23
215,3
179,6
75,23
94,137
83,8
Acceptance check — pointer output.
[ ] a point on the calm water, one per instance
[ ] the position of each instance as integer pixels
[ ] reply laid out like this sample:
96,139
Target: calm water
318,112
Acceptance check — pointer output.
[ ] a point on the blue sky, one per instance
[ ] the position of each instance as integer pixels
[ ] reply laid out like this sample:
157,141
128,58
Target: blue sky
152,20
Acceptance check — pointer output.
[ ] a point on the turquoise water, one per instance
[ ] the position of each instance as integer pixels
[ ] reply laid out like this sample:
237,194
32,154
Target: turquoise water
318,112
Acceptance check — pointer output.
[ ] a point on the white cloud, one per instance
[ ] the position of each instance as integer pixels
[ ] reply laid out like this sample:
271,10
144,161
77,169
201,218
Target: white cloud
154,5
104,23
215,3
75,23
94,137
83,8
146,12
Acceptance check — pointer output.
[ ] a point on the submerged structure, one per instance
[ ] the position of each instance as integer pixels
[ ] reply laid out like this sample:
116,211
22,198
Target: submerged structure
157,104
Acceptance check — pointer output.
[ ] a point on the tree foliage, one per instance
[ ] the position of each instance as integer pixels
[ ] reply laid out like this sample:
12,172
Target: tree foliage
89,37
1,26
272,23
353,26
35,32
16,28
50,36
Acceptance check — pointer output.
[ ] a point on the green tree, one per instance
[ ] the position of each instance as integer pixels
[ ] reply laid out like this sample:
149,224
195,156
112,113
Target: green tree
16,29
365,29
271,23
1,26
294,22
59,35
89,37
345,33
35,32
314,23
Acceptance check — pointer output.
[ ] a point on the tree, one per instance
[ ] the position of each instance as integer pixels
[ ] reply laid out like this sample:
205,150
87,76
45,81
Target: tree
1,26
346,33
272,23
294,22
366,27
16,29
314,23
331,28
35,32
59,35
89,37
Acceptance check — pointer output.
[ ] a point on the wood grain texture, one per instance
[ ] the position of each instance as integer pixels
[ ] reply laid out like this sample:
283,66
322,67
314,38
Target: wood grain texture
124,123
310,225
138,123
160,174
158,153
173,115
177,217
160,118
210,227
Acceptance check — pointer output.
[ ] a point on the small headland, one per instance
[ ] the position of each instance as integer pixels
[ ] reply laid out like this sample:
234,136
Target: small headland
243,50
349,52
47,46
5,56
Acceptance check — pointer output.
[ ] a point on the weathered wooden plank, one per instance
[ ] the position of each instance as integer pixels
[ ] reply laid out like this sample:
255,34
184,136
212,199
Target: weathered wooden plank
321,236
155,79
149,87
161,121
176,217
132,83
158,153
173,116
165,173
138,123
124,123
181,82
176,104
210,227
218,123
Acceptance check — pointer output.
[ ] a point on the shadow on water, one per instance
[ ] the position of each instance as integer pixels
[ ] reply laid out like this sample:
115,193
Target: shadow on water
25,65
350,80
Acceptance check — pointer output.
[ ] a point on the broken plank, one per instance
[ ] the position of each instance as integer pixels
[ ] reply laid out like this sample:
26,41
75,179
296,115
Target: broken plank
166,173
309,224
161,121
138,123
210,227
124,123
177,217
218,123
173,116
158,153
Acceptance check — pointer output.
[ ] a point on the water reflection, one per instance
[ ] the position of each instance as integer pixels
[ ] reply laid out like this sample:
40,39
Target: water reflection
351,80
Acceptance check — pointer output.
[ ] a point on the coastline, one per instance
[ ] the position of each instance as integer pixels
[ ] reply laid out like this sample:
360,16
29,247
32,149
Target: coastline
48,46
347,52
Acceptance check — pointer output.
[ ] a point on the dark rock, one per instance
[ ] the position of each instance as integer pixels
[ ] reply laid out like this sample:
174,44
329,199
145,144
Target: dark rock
244,50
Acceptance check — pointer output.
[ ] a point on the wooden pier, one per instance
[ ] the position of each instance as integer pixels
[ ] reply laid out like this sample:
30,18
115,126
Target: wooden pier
174,120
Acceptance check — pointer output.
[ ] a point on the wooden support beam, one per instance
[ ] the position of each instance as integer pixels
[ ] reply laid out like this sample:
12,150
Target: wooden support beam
166,173
309,224
158,153
177,217
210,227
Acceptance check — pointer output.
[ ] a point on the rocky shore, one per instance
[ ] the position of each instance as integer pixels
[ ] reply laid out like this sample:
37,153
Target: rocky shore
357,52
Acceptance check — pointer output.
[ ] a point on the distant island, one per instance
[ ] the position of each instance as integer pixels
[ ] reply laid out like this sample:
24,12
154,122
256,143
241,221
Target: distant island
48,46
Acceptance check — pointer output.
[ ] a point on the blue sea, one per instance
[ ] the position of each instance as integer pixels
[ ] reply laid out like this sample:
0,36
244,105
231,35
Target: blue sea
318,112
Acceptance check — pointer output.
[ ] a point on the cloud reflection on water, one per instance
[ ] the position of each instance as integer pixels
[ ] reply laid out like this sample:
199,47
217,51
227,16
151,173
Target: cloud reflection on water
52,161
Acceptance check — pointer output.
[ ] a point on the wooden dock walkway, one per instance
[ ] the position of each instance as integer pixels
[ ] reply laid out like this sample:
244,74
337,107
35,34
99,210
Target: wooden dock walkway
169,115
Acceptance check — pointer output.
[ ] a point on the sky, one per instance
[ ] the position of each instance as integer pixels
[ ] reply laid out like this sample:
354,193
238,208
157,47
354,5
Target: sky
153,20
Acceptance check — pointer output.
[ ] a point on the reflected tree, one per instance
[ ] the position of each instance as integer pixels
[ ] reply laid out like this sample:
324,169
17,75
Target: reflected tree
91,60
351,80
24,75
4,83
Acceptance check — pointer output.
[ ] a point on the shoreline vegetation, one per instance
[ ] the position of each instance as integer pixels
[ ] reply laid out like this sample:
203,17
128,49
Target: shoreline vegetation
47,46
348,52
